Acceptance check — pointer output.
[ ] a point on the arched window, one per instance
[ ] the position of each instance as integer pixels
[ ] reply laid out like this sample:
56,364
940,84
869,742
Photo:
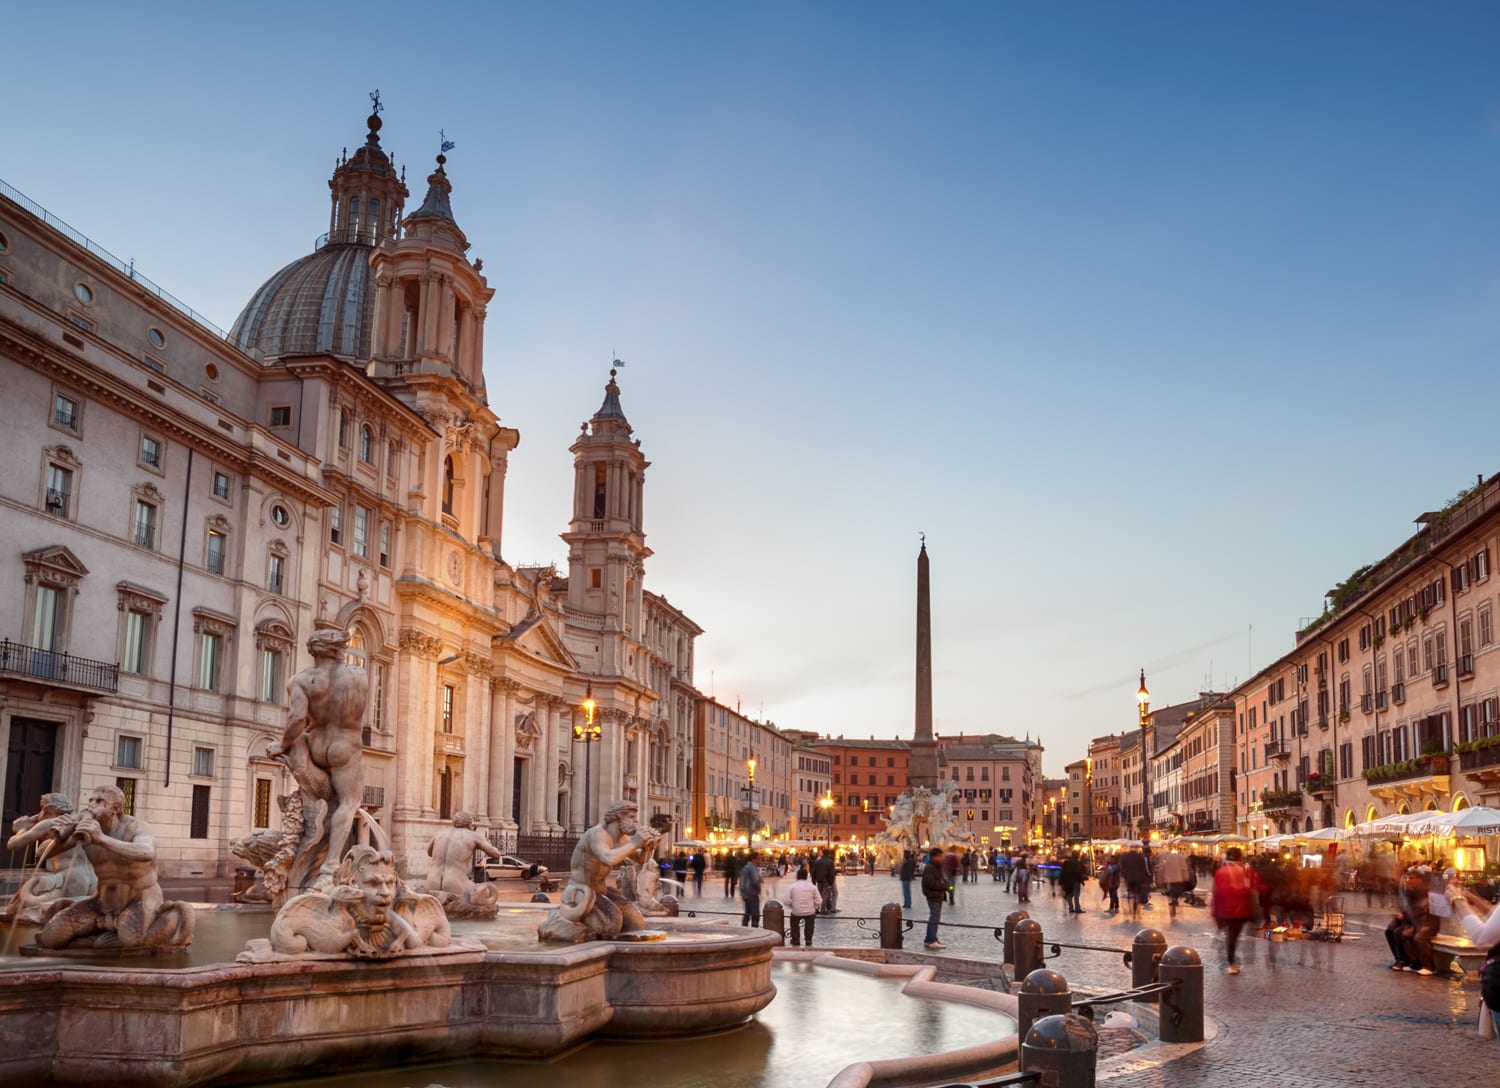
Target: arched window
372,232
448,482
366,444
351,223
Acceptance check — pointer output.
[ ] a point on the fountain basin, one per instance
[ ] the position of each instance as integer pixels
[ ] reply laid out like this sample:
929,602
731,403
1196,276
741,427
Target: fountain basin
134,1024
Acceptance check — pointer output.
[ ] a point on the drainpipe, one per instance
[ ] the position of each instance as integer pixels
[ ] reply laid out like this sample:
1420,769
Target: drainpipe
187,492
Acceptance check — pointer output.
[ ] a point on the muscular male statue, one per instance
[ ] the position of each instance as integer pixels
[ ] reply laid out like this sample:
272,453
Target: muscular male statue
128,910
321,744
587,910
452,853
62,874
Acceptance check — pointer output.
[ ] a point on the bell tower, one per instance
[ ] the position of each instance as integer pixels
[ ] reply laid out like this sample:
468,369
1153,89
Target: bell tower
606,542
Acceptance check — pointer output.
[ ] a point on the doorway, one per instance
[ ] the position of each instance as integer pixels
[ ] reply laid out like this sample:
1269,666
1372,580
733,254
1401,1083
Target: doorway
28,774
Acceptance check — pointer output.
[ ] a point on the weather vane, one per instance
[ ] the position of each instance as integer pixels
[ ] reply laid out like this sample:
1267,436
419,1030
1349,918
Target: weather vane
445,145
375,98
924,538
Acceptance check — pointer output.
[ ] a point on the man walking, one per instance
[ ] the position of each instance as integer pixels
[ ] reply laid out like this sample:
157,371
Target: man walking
1234,903
750,884
803,901
908,874
934,890
824,871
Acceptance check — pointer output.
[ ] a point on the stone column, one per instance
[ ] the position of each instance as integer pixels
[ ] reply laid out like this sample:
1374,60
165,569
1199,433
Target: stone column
502,751
476,790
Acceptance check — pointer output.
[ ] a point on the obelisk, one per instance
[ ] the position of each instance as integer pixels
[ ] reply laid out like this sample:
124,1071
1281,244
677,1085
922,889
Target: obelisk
922,767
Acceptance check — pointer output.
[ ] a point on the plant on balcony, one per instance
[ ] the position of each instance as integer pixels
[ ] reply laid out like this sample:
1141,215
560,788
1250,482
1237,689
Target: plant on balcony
1478,744
661,822
1270,799
1343,716
1317,781
1433,747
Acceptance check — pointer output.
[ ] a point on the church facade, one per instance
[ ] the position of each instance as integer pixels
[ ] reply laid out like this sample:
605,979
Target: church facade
184,504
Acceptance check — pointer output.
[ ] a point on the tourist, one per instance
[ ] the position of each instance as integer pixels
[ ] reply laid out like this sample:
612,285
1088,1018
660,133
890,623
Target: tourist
804,901
1172,874
824,875
680,869
731,874
1234,903
1482,924
750,885
1072,875
908,874
934,889
1109,885
950,871
1135,873
1021,878
699,863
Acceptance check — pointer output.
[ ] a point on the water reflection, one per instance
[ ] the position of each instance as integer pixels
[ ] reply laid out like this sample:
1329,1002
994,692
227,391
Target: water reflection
821,1020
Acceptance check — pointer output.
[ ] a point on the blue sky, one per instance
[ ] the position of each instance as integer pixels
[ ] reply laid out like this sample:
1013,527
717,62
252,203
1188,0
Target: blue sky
1158,319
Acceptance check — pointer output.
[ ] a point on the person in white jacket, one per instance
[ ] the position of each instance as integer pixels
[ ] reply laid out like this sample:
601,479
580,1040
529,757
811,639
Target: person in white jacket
803,900
1481,922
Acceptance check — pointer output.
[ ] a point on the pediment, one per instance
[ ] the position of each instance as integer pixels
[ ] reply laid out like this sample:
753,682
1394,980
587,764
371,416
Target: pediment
535,636
56,560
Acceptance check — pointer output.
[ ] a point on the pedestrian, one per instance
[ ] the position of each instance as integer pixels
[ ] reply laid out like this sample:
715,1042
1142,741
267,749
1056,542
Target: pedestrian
731,874
750,884
1008,870
1135,874
1172,874
934,889
1109,884
1234,903
950,870
679,870
699,864
824,876
1071,876
908,874
1482,924
804,901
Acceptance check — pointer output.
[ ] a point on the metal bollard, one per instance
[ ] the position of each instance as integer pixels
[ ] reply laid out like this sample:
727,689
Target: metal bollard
1063,1049
669,904
1147,949
773,917
891,925
1042,993
1008,943
1182,1006
1028,947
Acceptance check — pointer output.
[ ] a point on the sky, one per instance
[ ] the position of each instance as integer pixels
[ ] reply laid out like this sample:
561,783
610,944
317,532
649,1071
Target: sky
1157,319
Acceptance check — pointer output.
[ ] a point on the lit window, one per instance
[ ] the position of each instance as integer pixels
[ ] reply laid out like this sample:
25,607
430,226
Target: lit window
127,787
262,815
215,551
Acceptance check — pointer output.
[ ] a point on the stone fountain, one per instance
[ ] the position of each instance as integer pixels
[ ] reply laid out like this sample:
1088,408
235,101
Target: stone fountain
359,967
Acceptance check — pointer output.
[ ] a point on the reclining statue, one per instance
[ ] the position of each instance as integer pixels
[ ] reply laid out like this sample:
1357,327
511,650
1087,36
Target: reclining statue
62,874
449,877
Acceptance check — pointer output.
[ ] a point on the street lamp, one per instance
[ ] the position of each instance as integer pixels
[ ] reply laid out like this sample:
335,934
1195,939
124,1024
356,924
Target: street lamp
750,812
588,732
1143,697
826,804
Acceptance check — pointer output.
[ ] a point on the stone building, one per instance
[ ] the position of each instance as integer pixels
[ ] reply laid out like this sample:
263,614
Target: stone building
185,503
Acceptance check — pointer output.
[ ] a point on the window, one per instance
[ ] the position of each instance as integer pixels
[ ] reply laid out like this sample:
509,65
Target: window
366,444
392,453
203,762
361,532
221,485
447,708
65,413
385,543
276,573
377,696
261,817
449,483
280,516
136,655
157,337
128,753
143,532
215,560
198,827
343,429
335,525
127,787
270,674
151,452
596,578
1486,627
281,415
210,658
59,496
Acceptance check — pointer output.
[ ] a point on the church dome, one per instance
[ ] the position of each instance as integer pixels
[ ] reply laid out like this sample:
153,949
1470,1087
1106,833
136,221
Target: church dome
320,304
324,303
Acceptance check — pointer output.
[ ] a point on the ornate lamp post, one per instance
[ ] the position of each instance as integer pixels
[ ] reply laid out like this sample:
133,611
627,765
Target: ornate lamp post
1143,697
750,810
826,804
588,732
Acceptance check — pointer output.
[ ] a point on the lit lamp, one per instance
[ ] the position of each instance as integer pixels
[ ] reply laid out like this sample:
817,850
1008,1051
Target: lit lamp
826,804
1143,697
750,812
588,732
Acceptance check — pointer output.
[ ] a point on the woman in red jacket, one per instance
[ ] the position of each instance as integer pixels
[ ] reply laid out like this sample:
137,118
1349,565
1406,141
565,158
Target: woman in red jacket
1234,902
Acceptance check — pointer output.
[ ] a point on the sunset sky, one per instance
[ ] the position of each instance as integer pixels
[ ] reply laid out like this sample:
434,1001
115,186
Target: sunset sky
1158,319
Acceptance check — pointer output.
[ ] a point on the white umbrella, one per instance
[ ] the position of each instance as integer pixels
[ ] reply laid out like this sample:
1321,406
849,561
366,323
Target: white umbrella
1480,820
1324,834
1385,826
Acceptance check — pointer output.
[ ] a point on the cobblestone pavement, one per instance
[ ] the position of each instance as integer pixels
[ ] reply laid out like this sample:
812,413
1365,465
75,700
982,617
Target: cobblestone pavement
1304,1013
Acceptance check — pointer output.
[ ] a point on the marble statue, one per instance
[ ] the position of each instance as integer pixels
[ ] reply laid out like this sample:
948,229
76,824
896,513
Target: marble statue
449,878
128,911
62,874
321,746
588,910
259,849
640,882
369,914
924,817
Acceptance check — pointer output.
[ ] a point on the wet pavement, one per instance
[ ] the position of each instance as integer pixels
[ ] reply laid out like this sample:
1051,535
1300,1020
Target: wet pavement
1302,1014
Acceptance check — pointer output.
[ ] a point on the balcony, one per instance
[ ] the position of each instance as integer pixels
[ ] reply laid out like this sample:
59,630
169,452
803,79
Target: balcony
1280,800
1466,665
1411,779
1367,702
1318,784
64,670
449,744
1278,749
1381,700
1440,676
1398,693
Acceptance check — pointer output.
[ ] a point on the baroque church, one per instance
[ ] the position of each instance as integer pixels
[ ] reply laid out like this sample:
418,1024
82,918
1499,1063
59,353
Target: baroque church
186,504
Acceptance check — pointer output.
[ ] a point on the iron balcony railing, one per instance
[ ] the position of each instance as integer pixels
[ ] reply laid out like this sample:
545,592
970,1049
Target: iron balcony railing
63,668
